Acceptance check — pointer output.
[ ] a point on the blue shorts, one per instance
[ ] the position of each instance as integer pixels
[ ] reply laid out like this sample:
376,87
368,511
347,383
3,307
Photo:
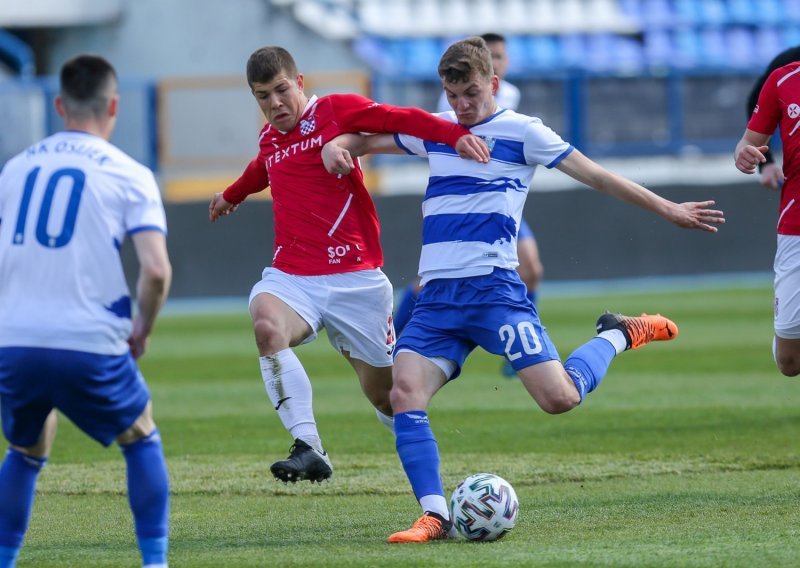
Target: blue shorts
102,394
455,315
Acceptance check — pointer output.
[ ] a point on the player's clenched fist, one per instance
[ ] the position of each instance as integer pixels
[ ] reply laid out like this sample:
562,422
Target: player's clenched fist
219,207
749,157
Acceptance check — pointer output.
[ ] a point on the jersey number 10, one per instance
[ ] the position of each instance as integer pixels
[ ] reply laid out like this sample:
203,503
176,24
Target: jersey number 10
78,179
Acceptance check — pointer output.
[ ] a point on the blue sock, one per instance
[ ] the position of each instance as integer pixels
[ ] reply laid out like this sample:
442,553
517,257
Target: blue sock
18,476
588,364
419,453
148,493
404,309
8,556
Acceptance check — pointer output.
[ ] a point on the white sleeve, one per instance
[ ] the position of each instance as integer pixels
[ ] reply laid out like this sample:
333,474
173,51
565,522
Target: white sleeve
145,209
411,145
543,146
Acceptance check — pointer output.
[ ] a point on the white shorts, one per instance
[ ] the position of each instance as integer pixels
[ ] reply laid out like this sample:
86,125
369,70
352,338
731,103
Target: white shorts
787,287
355,308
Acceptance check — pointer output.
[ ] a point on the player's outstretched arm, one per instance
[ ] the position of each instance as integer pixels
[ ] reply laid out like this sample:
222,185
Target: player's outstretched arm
750,151
253,179
689,215
155,276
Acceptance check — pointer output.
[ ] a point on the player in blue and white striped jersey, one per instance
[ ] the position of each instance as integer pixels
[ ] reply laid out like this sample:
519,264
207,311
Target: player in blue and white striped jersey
471,294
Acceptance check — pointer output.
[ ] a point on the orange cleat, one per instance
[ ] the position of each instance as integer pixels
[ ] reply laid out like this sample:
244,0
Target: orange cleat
639,331
429,526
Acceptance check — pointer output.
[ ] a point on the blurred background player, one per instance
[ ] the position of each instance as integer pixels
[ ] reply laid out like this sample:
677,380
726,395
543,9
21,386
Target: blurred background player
771,171
777,107
67,340
530,267
326,266
470,295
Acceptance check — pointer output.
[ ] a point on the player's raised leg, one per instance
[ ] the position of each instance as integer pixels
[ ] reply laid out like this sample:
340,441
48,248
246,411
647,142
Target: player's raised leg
416,380
558,388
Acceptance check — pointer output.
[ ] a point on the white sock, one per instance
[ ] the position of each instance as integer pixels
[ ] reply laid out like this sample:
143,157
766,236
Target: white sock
616,338
289,389
435,504
775,348
387,421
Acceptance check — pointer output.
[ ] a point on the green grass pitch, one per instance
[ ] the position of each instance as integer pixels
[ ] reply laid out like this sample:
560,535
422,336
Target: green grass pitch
688,454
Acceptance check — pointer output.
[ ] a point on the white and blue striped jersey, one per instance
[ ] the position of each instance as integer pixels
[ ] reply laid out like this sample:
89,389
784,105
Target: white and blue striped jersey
66,205
472,211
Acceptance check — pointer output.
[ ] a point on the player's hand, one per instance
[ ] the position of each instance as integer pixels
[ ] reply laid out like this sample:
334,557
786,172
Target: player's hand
219,207
470,147
138,339
771,175
337,160
697,215
749,157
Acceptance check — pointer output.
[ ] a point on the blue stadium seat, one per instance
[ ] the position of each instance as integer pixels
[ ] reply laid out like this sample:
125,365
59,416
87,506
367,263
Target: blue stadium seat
792,10
657,14
687,12
767,12
545,52
790,37
686,48
712,13
768,43
658,48
631,9
741,48
740,11
573,50
714,49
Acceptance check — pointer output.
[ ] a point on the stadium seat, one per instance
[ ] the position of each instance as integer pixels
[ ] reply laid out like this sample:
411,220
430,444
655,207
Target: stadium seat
573,50
456,17
571,16
768,43
543,17
332,20
515,17
686,12
658,48
713,47
790,37
543,52
657,14
792,10
740,11
485,17
712,13
686,48
767,12
741,48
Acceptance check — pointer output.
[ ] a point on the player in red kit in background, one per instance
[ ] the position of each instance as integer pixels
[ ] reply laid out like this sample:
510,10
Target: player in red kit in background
778,108
327,256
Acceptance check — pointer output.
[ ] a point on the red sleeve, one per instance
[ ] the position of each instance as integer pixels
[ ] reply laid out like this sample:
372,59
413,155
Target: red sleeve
253,179
767,113
355,113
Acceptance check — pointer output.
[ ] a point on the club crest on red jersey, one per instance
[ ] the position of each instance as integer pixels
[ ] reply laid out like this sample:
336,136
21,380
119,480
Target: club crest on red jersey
307,125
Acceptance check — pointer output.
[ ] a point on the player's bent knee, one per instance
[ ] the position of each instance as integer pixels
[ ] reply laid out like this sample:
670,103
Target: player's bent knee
269,337
789,366
141,428
559,404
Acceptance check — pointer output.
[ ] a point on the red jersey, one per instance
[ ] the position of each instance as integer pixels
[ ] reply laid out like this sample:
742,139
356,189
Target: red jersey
326,223
779,107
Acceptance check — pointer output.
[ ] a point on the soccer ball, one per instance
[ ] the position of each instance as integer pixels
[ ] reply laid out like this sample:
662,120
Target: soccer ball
484,507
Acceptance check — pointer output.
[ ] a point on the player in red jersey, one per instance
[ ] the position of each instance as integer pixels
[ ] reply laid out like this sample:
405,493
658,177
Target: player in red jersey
779,107
327,256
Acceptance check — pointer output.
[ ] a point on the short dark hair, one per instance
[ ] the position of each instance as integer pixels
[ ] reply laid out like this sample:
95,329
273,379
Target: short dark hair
493,38
267,62
88,82
465,58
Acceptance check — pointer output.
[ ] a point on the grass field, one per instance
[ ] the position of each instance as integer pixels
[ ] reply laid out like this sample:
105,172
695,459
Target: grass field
687,455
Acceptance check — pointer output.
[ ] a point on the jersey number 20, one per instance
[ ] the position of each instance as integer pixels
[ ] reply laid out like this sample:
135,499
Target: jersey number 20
78,180
531,344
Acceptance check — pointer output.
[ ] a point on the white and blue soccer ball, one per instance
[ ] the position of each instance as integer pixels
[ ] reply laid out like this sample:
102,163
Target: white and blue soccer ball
484,507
